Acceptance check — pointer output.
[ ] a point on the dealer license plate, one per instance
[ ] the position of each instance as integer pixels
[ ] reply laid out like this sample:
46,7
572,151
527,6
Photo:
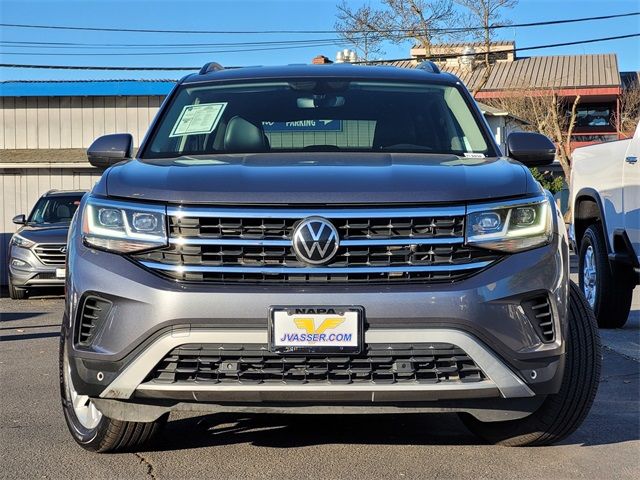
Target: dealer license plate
315,329
60,272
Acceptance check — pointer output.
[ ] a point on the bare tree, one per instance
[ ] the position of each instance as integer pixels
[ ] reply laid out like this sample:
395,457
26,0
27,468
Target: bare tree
626,119
397,21
547,113
483,16
360,28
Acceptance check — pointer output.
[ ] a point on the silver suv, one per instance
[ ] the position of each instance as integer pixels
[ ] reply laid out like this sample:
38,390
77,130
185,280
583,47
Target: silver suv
38,250
331,238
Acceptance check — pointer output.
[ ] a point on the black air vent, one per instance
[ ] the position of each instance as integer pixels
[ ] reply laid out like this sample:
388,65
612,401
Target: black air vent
93,314
539,312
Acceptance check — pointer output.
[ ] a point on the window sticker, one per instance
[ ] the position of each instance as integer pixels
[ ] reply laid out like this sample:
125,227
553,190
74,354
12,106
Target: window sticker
474,155
198,119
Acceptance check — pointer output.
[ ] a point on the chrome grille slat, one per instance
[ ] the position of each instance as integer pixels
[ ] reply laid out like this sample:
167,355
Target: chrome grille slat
296,213
50,254
253,245
313,270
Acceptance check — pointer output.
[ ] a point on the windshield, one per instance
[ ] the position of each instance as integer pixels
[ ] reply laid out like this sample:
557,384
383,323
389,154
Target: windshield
58,209
317,115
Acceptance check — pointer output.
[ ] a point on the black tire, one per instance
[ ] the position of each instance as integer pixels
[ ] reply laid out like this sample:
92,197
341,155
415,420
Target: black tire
613,293
17,293
561,413
108,435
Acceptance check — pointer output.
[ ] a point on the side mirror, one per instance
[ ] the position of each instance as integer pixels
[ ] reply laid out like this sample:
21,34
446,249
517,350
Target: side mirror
20,219
110,149
532,149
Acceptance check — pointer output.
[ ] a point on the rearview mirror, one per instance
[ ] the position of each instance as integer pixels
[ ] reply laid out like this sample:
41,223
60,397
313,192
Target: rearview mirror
20,219
532,149
110,149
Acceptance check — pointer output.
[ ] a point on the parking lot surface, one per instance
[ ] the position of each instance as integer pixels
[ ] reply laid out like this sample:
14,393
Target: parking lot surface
34,442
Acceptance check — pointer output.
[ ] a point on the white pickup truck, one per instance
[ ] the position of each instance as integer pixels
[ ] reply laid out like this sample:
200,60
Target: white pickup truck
605,228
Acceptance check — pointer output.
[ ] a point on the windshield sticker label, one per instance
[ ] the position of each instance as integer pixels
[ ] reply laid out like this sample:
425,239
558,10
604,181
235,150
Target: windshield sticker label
198,119
303,126
474,155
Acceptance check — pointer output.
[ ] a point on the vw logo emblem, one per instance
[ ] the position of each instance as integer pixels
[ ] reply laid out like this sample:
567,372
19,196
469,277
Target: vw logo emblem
315,241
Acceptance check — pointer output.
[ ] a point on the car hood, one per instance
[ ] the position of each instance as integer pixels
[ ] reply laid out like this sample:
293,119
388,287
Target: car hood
319,178
45,234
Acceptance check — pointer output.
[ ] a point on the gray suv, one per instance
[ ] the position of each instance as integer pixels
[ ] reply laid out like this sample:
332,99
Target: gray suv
326,238
38,250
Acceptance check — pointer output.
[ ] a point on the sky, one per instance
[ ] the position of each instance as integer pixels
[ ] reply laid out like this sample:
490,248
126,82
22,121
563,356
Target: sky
260,15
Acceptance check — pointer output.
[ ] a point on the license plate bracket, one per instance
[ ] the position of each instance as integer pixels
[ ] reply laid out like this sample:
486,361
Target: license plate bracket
316,329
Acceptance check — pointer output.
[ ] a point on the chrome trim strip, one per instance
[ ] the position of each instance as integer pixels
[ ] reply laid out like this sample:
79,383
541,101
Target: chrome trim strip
402,241
229,241
343,243
313,270
221,212
450,386
499,375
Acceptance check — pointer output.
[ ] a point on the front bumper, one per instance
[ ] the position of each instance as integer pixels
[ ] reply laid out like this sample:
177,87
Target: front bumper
34,273
151,315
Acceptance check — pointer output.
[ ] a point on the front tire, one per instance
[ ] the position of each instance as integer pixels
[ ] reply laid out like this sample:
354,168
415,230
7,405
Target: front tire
561,413
608,295
90,428
17,293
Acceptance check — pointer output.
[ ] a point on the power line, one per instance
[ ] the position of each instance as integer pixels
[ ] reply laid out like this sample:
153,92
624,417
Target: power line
199,52
30,44
522,49
78,67
515,50
260,32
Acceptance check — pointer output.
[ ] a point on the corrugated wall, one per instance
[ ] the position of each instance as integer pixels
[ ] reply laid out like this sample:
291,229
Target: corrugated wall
72,122
20,188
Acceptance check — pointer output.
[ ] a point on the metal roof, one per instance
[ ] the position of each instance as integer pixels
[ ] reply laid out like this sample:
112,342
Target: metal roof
85,88
565,71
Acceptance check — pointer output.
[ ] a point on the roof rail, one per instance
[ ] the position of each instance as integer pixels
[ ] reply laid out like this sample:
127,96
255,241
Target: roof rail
211,67
428,66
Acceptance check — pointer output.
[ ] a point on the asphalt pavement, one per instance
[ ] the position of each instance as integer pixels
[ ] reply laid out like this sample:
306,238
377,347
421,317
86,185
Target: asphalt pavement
34,442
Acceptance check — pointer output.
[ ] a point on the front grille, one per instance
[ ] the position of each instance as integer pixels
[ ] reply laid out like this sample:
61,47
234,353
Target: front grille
366,227
420,363
382,245
51,253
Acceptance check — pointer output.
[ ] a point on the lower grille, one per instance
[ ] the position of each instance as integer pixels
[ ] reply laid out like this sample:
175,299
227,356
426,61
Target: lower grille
51,254
420,363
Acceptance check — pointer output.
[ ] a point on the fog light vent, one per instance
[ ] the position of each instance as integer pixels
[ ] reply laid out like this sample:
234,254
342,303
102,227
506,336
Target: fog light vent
541,315
93,314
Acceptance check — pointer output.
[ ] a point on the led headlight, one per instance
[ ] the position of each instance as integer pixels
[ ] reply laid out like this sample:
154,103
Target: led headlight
20,241
510,227
123,226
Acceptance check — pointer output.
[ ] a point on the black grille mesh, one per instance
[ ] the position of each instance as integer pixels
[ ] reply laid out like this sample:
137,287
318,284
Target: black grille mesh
378,364
349,228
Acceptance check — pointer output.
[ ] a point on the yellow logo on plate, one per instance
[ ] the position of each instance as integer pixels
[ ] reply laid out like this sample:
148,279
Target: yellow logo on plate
308,325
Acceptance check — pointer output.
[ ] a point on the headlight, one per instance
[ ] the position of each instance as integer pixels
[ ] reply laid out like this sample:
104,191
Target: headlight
510,227
122,226
20,241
